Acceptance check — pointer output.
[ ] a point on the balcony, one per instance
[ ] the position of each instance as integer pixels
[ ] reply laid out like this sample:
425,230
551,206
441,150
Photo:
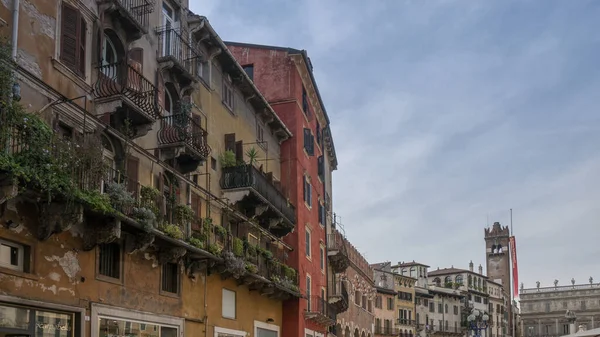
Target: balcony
133,15
319,311
255,194
386,331
176,55
182,138
406,322
125,99
338,296
336,252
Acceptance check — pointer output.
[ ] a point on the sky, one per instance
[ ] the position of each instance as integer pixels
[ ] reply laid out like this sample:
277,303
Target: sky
447,114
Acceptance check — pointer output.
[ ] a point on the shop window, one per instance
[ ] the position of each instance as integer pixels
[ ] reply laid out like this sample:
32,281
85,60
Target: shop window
109,260
170,278
14,256
229,305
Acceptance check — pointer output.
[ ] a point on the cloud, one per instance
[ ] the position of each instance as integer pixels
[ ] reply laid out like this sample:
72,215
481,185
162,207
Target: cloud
445,115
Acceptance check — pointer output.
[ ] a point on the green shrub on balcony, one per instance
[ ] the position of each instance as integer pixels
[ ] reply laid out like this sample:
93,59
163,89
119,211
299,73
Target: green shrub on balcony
184,214
196,242
227,159
172,230
237,247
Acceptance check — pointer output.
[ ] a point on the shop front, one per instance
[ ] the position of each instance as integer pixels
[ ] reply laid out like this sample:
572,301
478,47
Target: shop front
22,318
114,322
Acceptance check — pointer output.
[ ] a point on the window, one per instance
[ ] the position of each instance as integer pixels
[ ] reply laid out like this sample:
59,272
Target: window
308,291
446,309
322,257
309,142
364,302
109,260
440,308
390,304
213,163
170,278
431,307
321,167
13,256
305,102
307,244
249,69
227,93
321,214
357,297
378,302
370,306
260,134
72,44
229,305
318,129
307,189
565,329
456,309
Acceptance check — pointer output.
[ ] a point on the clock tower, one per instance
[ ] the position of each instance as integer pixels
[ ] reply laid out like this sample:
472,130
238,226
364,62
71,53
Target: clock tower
497,258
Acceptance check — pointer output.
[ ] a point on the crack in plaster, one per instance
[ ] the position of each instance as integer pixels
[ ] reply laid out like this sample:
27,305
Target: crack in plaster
44,23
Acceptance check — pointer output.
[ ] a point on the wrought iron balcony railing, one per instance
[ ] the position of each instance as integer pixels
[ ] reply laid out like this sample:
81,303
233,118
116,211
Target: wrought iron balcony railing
126,80
134,14
403,321
386,330
181,128
319,306
173,46
247,176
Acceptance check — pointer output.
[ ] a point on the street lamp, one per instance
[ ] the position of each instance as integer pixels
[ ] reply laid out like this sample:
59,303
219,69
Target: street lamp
478,321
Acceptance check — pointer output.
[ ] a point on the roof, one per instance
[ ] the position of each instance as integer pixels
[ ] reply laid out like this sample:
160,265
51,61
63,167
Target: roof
385,291
410,264
293,51
392,273
204,24
448,271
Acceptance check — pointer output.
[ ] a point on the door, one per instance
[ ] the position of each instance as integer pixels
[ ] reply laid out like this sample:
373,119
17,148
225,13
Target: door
171,25
109,58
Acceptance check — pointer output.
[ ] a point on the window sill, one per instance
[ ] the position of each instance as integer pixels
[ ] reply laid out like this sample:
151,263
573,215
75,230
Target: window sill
228,108
18,273
307,206
204,83
71,75
168,294
109,279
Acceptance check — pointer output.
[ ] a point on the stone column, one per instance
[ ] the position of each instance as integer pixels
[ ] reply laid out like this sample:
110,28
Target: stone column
556,331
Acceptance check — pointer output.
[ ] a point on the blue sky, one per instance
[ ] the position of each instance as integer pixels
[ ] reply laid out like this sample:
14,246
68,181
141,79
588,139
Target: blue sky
447,113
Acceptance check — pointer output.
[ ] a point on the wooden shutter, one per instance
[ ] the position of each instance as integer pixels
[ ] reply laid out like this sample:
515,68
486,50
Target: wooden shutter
133,166
230,142
239,152
306,138
137,55
69,39
304,189
321,166
82,39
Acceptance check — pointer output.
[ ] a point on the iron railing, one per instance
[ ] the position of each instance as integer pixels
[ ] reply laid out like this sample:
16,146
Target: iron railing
138,10
335,242
386,330
182,128
173,45
247,176
403,321
126,79
559,288
319,305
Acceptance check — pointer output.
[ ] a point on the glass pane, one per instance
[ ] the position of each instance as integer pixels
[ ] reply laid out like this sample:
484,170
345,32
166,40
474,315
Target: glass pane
110,327
265,333
168,331
51,324
16,318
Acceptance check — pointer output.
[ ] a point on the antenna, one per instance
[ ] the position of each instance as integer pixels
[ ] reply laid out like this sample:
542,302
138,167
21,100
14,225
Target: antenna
487,220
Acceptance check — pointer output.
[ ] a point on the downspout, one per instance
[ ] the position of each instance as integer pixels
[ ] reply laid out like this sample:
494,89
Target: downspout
15,29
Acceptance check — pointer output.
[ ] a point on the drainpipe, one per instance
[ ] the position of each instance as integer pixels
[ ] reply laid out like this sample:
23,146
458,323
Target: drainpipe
15,29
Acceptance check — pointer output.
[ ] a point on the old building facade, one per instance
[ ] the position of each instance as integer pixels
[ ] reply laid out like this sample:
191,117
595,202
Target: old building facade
497,309
405,304
544,309
385,301
285,77
166,158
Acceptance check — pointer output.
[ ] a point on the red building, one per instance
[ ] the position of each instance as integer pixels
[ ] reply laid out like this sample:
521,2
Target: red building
285,78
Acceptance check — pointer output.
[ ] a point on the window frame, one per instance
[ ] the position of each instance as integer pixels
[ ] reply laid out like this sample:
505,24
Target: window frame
228,96
20,256
308,243
266,326
108,278
322,257
86,43
178,281
234,293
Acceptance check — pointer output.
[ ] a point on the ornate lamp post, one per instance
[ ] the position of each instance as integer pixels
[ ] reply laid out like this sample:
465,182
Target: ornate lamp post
478,321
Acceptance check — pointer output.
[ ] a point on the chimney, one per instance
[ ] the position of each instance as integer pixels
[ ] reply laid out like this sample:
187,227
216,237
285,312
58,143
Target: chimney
480,270
471,266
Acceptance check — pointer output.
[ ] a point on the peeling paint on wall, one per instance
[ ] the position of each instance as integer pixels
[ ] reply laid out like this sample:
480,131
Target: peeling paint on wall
40,23
54,276
29,62
69,263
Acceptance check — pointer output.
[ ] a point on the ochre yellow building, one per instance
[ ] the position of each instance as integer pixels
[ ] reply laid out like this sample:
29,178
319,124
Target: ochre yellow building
405,304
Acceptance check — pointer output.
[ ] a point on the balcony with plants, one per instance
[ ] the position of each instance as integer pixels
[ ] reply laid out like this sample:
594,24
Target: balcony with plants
336,252
176,55
124,98
182,138
256,194
132,15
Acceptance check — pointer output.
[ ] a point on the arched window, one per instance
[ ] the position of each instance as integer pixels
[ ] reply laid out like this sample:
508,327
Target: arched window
459,279
437,281
448,281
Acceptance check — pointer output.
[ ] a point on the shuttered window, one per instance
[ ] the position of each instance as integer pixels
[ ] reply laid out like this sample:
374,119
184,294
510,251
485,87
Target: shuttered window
309,142
73,39
321,167
109,260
